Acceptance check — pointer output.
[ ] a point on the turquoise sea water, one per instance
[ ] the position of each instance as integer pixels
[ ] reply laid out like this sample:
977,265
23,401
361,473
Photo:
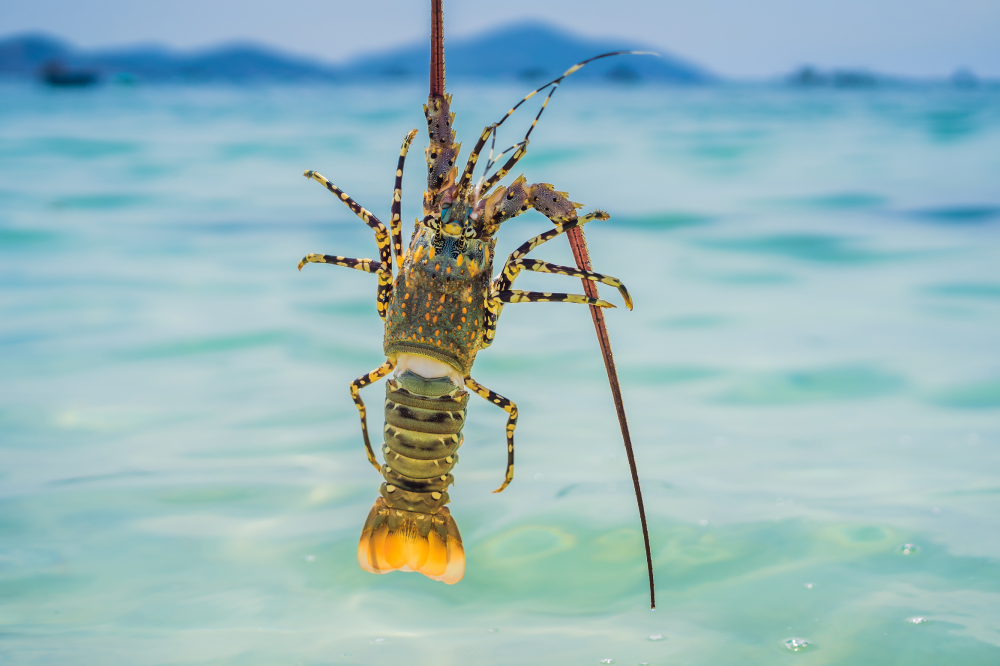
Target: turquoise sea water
811,373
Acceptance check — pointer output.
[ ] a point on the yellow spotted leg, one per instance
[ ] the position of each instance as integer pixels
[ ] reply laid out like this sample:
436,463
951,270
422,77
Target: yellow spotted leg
509,407
518,296
356,386
365,265
383,272
496,299
560,228
511,270
396,223
381,238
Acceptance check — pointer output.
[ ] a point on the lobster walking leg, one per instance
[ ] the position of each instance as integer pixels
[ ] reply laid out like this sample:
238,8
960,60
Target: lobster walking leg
559,229
512,269
381,270
395,222
381,238
509,407
356,386
518,296
495,302
365,265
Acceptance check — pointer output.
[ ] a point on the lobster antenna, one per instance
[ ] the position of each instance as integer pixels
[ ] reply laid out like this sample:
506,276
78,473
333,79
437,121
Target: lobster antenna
576,238
582,256
553,84
489,163
437,49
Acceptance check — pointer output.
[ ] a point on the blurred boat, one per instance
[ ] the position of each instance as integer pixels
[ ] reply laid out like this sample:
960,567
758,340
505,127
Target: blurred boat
55,74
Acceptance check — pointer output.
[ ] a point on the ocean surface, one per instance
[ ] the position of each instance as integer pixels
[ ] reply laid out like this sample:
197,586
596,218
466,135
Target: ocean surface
811,374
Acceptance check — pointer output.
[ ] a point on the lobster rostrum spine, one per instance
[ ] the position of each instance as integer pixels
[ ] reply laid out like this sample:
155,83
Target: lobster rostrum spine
440,308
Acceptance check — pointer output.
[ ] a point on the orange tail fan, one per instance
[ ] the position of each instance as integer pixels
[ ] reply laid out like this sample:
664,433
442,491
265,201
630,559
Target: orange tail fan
394,540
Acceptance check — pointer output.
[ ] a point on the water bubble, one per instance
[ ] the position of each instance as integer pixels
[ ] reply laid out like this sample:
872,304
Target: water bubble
908,549
703,522
378,640
607,661
657,637
797,644
310,558
493,631
936,511
916,620
539,476
809,586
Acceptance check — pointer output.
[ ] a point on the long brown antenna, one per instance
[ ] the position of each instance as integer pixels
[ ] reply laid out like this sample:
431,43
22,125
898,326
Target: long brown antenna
437,49
582,256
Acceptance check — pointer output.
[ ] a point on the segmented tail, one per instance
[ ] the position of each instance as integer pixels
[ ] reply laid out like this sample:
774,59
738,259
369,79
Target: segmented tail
409,528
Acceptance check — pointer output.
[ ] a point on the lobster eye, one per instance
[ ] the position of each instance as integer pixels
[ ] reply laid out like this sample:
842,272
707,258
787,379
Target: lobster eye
469,232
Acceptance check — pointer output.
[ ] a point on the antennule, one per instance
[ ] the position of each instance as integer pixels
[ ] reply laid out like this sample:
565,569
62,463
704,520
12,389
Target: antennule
466,179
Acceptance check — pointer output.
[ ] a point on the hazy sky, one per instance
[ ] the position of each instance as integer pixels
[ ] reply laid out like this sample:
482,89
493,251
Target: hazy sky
731,37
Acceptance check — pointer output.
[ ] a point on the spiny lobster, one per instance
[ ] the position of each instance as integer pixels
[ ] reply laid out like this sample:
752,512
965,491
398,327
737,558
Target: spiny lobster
441,309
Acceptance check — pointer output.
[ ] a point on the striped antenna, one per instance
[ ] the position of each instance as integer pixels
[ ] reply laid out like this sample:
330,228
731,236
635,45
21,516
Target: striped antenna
553,84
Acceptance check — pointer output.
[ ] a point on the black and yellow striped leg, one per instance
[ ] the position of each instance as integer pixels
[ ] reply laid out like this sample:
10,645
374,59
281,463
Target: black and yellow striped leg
494,303
509,407
366,265
381,238
497,299
396,223
560,228
518,296
381,233
356,386
513,268
493,310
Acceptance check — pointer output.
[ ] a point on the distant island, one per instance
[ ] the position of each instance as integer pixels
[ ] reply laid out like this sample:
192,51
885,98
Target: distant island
530,52
813,77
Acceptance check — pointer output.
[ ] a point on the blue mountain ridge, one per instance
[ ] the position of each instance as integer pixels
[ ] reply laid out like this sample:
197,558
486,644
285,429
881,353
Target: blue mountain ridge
529,51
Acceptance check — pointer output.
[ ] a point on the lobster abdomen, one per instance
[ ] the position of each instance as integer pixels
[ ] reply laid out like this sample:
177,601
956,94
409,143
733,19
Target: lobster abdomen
409,528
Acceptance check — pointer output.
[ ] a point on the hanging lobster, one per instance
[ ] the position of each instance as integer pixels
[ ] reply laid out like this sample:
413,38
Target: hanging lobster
440,309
